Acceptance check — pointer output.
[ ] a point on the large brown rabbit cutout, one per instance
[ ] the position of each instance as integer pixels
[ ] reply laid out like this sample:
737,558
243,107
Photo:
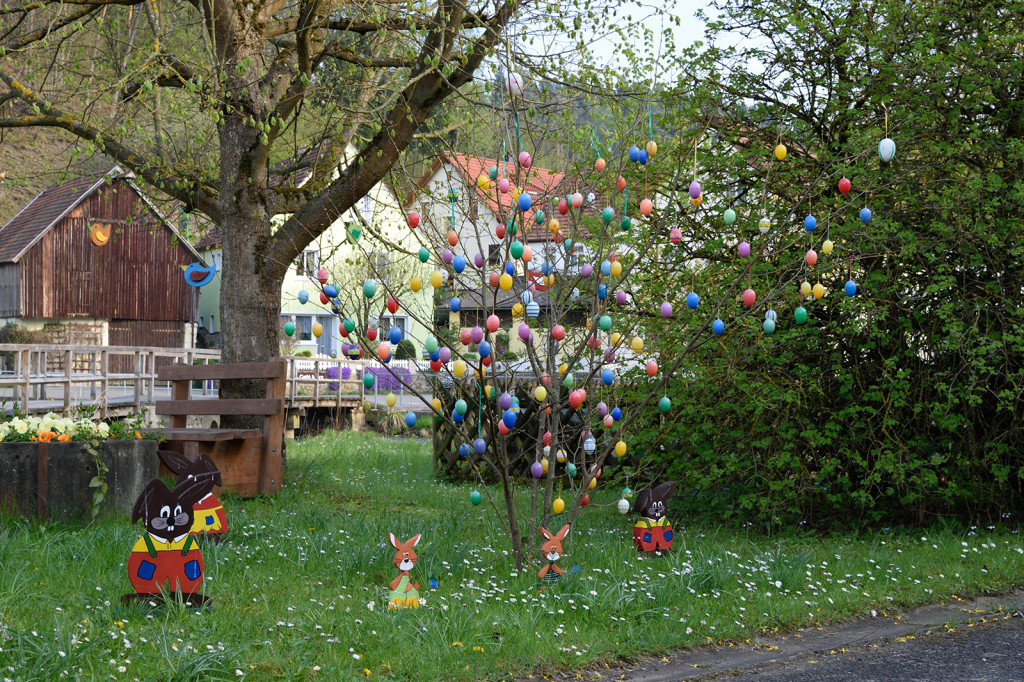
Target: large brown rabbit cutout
653,532
404,592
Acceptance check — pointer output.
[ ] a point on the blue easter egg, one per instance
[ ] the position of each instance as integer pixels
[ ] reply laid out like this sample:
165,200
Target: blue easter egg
456,417
602,291
510,269
456,304
303,296
607,376
616,414
810,222
509,417
464,450
771,315
693,300
865,215
718,327
634,153
330,291
525,202
606,268
459,263
850,288
395,335
484,349
480,446
410,419
644,156
435,355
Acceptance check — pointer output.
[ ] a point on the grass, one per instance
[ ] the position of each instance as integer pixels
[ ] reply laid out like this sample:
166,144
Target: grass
300,588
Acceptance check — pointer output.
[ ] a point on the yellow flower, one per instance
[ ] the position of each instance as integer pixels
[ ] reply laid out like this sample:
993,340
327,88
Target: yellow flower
366,671
454,644
20,426
478,648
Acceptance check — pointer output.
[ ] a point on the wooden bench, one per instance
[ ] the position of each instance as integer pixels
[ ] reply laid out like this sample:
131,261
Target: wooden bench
250,460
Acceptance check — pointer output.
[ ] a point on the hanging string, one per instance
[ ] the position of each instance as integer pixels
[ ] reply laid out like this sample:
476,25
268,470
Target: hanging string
502,160
886,119
650,122
695,140
515,119
594,141
625,201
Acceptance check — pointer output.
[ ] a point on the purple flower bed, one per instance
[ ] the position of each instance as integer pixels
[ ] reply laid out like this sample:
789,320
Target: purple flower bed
332,373
386,382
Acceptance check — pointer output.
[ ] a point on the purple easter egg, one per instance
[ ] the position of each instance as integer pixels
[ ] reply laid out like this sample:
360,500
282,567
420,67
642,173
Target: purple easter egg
743,249
666,310
530,339
476,335
478,260
537,469
524,331
445,354
694,189
587,270
505,400
620,297
602,409
447,256
609,356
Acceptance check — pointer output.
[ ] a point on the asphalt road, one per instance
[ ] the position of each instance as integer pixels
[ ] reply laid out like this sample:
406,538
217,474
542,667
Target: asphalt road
992,651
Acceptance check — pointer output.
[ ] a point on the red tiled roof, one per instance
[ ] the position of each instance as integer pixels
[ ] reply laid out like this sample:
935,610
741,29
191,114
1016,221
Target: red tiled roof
542,184
45,210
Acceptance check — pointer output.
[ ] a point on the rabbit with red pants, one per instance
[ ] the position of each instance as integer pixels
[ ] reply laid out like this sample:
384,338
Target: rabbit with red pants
167,556
551,549
209,512
404,592
653,531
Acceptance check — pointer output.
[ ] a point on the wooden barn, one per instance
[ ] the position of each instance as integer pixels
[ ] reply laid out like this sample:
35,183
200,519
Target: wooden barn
97,258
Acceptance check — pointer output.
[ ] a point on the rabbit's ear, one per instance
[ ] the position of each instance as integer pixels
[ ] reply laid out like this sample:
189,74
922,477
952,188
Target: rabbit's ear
561,533
664,491
546,533
175,461
152,489
643,501
393,539
205,464
413,541
193,489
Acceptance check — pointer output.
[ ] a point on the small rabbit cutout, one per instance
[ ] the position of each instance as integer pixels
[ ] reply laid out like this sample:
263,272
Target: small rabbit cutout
404,592
653,531
167,557
551,551
210,518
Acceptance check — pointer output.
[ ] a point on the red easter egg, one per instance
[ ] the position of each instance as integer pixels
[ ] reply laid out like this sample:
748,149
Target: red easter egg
652,368
646,206
547,438
453,238
486,362
435,365
494,279
558,332
414,219
599,165
502,429
493,322
844,186
371,334
392,305
465,336
323,298
500,231
585,501
563,206
675,236
621,184
575,400
811,257
749,297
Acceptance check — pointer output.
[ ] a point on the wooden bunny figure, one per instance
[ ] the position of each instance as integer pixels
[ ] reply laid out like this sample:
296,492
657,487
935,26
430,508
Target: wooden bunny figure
551,549
209,512
653,531
404,592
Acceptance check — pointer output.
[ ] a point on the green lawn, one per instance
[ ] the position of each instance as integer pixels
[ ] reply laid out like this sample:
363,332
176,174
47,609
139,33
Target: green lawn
300,589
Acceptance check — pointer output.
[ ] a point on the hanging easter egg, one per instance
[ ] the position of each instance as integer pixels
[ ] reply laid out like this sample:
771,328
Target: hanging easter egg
575,400
577,200
620,183
587,270
558,332
484,349
515,84
289,328
430,344
459,264
475,498
303,296
414,219
605,323
637,344
780,151
623,506
504,185
525,160
626,223
608,377
749,297
644,156
675,235
591,198
516,249
499,231
718,327
505,281
369,288
445,354
424,255
532,309
415,283
811,257
391,400
538,217
395,335
483,182
524,331
602,292
509,418
368,380
768,326
646,206
558,505
410,419
743,249
810,222
620,449
318,329
865,215
764,224
651,147
634,153
886,149
540,394
544,464
698,200
592,484
493,322
693,300
827,246
844,185
331,291
665,404
771,315
517,310
436,279
666,310
321,276
459,368
818,290
525,201
800,315
461,407
606,268
805,288
607,214
729,216
599,164
478,260
350,325
850,288
608,421
694,189
502,429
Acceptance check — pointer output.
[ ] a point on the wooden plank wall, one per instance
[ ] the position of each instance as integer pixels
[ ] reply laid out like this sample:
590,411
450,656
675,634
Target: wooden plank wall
137,275
10,295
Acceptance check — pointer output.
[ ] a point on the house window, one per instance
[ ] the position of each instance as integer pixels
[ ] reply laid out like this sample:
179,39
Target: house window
379,267
367,205
306,263
217,259
389,321
494,254
201,325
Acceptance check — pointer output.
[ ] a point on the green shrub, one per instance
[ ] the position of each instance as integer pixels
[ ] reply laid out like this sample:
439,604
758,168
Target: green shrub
406,350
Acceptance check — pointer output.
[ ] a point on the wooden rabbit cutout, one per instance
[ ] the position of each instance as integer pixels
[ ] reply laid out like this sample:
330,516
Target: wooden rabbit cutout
404,592
653,532
210,518
551,550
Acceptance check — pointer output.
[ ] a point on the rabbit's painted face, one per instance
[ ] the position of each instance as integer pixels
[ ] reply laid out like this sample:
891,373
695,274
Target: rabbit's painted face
553,553
405,562
168,518
656,510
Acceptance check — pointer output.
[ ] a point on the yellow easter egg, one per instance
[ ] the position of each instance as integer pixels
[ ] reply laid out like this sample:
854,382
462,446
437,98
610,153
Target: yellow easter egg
553,226
459,367
652,148
818,290
780,152
487,391
560,456
415,283
544,464
549,281
620,449
515,194
436,279
391,399
698,200
558,506
827,246
318,329
540,393
505,281
616,338
592,484
805,288
616,269
480,372
637,344
483,182
436,404
517,310
562,369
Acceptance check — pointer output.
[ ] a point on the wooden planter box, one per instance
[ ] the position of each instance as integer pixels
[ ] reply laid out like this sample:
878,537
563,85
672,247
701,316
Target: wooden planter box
51,480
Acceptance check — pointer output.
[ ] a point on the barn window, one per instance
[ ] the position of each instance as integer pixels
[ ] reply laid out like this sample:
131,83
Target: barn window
306,263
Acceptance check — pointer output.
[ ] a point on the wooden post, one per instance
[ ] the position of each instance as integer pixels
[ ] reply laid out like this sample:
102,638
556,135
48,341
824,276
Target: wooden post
316,383
273,436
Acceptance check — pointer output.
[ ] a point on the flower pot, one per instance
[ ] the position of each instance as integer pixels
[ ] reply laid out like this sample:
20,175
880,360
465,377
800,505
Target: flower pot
51,480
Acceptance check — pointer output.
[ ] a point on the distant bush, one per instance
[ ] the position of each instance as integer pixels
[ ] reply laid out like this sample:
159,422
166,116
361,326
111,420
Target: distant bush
304,354
406,350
